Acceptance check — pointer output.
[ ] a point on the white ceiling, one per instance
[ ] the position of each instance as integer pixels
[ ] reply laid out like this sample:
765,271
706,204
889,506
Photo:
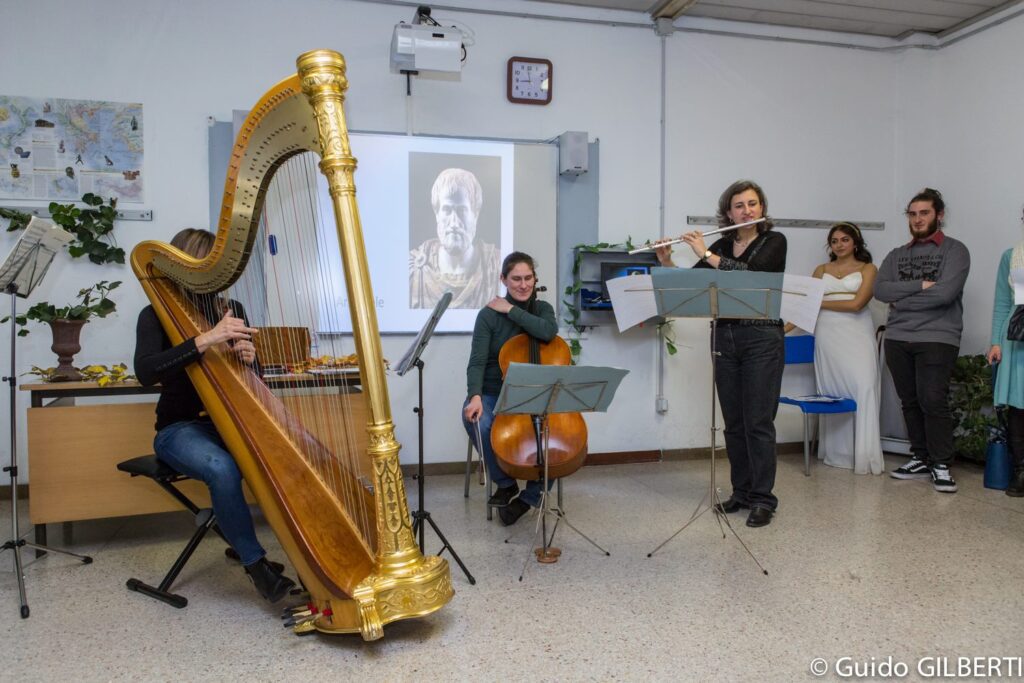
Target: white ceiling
891,18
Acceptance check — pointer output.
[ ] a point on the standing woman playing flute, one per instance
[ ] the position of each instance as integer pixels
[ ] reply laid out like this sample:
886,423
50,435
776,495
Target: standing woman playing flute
751,353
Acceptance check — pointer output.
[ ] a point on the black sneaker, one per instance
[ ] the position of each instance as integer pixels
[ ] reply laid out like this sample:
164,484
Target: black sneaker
511,513
503,495
271,584
942,480
914,469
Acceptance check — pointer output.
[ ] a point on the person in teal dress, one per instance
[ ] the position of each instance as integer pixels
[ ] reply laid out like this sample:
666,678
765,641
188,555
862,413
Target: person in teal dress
1009,385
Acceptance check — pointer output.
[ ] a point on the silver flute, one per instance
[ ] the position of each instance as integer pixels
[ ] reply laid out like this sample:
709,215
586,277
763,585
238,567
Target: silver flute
677,240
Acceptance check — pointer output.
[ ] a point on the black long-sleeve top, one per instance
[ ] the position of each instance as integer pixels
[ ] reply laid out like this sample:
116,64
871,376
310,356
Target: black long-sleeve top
156,360
767,253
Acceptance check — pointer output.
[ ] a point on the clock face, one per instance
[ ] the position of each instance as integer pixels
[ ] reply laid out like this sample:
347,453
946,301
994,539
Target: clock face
529,80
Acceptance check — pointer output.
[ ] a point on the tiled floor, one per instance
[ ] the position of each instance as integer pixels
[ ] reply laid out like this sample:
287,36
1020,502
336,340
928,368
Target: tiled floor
862,567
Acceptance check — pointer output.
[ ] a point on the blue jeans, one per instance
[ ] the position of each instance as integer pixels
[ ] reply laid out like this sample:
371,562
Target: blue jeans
749,378
531,494
194,448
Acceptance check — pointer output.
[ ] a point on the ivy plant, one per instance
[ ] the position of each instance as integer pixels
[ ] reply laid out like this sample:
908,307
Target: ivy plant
572,313
92,227
18,219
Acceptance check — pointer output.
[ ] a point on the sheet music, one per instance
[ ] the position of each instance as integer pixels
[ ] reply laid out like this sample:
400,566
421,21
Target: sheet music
801,300
1017,278
633,300
31,256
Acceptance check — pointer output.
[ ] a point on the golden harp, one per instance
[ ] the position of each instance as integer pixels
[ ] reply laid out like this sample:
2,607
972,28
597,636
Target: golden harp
321,461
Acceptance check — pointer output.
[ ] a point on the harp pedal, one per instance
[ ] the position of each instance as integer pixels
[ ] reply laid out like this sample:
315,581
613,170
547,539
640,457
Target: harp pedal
547,555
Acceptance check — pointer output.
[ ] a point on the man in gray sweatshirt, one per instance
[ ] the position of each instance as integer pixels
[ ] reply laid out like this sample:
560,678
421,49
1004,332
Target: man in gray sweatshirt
923,283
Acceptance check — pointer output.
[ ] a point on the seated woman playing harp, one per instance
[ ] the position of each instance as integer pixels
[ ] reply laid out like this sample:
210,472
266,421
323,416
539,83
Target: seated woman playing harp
186,438
504,317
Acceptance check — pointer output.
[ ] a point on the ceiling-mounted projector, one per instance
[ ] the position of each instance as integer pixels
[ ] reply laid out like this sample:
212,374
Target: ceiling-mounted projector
422,47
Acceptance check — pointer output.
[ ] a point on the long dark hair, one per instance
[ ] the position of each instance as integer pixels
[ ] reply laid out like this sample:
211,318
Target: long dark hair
725,203
860,250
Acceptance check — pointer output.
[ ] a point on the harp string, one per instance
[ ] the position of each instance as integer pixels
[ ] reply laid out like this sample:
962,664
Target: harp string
294,294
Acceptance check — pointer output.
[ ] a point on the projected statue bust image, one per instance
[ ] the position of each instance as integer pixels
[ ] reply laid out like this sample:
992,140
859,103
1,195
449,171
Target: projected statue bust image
455,260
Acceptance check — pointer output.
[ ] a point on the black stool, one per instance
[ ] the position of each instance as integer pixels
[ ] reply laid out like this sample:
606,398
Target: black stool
165,476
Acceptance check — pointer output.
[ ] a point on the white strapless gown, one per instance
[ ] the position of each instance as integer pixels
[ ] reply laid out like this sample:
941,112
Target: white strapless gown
846,364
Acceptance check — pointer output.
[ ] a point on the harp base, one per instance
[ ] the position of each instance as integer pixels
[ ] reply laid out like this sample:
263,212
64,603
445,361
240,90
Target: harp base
382,599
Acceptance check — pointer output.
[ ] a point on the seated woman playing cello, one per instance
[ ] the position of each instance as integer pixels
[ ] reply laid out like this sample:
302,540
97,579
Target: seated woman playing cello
518,312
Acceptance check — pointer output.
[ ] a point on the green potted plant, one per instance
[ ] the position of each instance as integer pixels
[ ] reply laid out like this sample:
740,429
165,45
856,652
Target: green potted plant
970,401
66,324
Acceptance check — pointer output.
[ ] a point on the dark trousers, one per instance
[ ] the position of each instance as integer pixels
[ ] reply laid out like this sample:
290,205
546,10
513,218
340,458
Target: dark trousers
749,377
921,373
1015,436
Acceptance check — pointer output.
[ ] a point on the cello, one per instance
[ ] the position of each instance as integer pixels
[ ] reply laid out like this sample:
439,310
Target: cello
517,438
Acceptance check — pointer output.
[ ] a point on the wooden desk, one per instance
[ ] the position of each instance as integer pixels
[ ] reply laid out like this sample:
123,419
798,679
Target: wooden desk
73,450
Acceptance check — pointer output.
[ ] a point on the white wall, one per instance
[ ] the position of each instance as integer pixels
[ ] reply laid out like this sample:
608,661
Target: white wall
964,125
829,132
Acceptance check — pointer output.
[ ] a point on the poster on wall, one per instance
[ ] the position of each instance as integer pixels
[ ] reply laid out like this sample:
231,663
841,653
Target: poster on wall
57,150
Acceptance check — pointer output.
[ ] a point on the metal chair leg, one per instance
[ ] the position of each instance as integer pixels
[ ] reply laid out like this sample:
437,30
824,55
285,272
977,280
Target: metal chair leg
487,487
484,474
807,445
469,465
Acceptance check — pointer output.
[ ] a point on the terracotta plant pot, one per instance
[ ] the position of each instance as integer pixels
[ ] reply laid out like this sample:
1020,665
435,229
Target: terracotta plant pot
65,345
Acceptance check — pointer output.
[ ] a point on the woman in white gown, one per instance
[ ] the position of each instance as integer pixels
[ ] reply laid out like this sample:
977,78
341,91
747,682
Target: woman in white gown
845,358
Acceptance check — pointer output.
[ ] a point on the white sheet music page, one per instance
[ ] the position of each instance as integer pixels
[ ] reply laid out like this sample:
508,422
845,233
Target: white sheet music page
801,300
633,300
38,232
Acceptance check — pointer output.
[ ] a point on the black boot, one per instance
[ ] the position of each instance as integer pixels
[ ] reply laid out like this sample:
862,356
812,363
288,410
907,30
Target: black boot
271,584
1015,439
1016,487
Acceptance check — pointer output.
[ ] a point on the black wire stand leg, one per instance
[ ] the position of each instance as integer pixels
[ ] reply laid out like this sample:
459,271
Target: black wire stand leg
712,502
420,514
16,543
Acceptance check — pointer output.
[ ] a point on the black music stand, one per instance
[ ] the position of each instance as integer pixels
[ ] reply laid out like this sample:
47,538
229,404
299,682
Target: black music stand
412,359
710,293
542,390
20,272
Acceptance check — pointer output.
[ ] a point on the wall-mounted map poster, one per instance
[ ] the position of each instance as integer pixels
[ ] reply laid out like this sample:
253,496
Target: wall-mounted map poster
56,149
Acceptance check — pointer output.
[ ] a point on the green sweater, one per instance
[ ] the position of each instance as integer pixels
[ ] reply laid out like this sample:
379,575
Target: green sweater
492,330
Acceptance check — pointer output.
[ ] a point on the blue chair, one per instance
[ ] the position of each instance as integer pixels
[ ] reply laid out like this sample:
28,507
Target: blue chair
800,349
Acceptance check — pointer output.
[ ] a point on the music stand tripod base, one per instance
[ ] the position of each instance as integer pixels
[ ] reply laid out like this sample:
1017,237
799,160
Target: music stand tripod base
542,390
421,517
697,293
547,555
20,272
